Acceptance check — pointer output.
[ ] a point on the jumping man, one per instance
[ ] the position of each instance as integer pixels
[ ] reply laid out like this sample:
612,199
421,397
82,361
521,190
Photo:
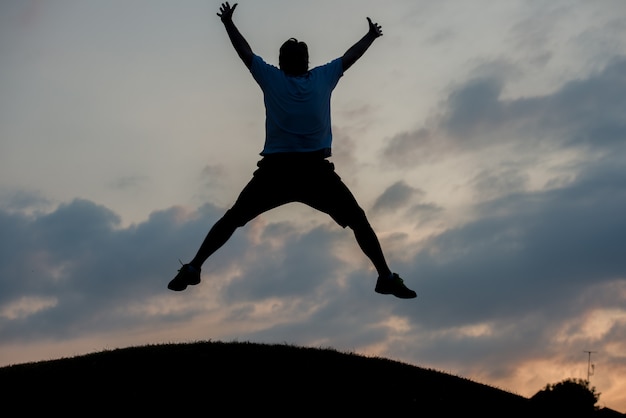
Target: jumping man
294,165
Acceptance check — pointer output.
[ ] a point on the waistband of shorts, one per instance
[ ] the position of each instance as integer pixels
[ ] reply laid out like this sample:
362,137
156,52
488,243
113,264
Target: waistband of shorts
298,157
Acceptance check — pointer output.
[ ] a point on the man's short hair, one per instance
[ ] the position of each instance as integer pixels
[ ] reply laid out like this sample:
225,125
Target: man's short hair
293,58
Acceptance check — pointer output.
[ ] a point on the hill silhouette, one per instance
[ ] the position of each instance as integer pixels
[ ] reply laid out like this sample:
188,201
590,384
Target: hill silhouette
235,378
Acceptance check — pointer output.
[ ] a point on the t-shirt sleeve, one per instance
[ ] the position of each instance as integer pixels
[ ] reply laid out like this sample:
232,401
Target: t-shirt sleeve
260,70
333,71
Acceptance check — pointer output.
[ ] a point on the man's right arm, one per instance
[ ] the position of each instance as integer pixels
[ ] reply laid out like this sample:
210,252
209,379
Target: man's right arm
357,50
239,42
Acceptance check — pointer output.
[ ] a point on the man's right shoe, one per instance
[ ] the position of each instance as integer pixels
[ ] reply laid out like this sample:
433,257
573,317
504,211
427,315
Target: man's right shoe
394,285
187,275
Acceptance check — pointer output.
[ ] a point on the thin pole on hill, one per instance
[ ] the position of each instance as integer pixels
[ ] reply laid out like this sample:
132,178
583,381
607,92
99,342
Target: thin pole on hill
589,365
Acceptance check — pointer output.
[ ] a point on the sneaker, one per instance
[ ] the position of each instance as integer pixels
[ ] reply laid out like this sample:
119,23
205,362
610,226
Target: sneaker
394,286
187,275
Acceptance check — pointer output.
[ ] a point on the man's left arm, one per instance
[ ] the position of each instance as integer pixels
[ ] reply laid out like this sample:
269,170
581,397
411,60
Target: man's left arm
239,42
357,50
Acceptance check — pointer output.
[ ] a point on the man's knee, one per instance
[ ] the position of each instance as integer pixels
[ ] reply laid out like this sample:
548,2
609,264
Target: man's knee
357,220
234,218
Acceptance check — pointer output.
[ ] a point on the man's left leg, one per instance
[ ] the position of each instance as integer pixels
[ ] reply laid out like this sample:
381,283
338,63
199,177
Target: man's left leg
259,195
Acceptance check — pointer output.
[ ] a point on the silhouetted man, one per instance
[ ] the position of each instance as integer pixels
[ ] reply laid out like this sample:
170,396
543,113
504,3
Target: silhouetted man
294,165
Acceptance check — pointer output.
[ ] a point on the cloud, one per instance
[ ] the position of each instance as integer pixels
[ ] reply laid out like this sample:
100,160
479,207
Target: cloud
582,113
78,256
395,196
286,262
522,290
23,201
132,182
76,270
411,147
534,268
499,181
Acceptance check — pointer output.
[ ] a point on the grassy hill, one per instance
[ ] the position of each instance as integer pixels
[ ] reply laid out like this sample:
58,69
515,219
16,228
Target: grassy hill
242,378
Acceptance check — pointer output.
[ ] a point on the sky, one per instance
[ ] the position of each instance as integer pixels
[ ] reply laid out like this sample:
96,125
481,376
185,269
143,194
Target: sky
486,141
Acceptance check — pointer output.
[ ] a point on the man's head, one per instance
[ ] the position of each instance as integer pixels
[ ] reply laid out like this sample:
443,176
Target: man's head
294,57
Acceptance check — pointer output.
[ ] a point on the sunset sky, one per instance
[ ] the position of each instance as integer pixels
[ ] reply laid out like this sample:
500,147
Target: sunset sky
486,141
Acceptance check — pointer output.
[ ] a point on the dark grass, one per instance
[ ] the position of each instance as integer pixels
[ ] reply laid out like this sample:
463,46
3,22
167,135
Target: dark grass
245,379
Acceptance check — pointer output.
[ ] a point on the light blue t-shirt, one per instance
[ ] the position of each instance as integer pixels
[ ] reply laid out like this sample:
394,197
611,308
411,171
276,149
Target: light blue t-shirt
297,109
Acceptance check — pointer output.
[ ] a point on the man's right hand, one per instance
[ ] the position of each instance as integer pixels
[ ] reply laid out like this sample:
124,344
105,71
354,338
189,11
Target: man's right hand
226,12
375,29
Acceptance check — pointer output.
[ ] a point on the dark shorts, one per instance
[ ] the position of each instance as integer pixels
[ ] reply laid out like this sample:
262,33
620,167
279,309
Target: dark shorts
296,177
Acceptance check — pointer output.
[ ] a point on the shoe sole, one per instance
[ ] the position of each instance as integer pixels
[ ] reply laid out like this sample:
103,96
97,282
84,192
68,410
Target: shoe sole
385,292
174,286
399,296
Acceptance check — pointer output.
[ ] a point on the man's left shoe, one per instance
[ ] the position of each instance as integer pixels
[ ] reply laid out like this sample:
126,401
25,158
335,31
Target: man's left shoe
187,275
394,286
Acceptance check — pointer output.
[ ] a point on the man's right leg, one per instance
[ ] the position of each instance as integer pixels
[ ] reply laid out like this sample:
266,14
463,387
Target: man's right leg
388,283
338,201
